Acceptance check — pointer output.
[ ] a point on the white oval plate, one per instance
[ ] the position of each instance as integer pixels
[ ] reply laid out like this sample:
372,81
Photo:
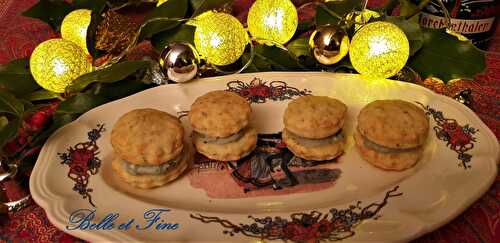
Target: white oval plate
356,202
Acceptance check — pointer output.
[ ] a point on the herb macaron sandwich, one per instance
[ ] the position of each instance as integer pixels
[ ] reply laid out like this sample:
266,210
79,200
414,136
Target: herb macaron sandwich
149,148
313,127
391,134
220,120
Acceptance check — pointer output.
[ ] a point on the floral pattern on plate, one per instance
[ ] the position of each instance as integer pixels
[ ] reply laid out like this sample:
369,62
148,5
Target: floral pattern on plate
457,137
83,162
258,91
305,227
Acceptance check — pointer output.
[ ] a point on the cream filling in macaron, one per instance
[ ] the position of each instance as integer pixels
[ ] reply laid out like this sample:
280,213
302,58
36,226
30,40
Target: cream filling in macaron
135,169
382,149
317,142
226,140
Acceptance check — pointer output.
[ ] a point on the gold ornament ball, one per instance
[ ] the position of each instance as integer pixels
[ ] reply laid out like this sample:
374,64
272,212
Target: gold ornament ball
74,27
55,63
220,38
379,50
329,44
274,20
160,2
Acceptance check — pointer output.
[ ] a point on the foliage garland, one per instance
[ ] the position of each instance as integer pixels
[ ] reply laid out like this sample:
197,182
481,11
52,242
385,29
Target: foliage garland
29,114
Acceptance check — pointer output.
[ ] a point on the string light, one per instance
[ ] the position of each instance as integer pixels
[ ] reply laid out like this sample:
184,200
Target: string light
56,63
275,20
220,38
74,27
379,50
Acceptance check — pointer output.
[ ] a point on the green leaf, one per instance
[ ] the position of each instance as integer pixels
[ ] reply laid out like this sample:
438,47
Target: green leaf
272,58
113,91
68,111
332,12
80,103
445,57
183,33
54,11
252,67
10,104
343,8
9,131
195,4
201,6
16,77
258,64
41,95
406,8
299,47
279,59
412,30
344,66
303,27
73,107
111,74
326,16
171,9
61,119
96,96
410,9
94,5
49,11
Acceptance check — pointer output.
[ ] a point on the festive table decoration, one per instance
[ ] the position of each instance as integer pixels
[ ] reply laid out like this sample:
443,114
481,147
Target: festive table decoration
74,27
380,45
379,49
273,20
56,63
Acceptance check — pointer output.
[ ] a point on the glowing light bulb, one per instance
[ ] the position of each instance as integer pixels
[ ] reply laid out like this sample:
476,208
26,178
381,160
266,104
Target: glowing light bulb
378,46
275,20
215,41
56,63
59,67
379,50
74,27
220,38
160,2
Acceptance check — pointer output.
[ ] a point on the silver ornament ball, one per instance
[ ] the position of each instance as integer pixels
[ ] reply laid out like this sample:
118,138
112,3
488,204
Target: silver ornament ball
179,62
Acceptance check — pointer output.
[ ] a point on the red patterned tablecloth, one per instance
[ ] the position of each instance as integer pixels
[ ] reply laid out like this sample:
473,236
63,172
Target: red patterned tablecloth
480,223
